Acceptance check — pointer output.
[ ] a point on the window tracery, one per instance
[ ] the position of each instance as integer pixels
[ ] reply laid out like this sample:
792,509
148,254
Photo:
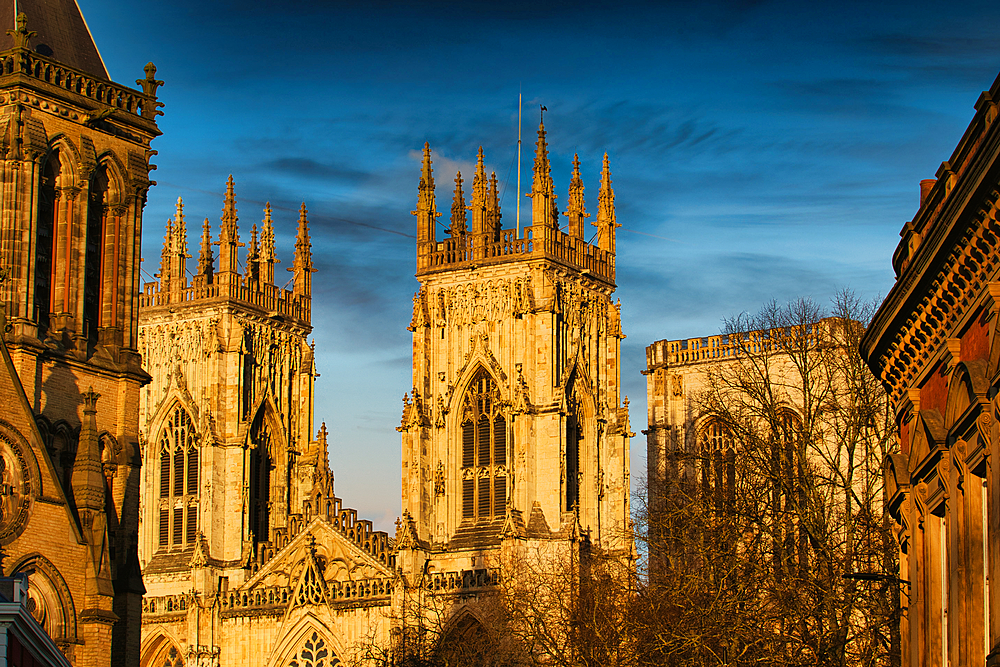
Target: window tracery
178,488
260,479
484,450
314,653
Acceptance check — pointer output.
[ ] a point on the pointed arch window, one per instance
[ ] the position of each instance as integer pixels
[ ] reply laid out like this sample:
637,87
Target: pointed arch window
178,487
261,463
484,451
717,459
94,255
314,652
44,239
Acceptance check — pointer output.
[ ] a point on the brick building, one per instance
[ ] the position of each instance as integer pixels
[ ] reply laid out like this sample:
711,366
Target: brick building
934,345
75,173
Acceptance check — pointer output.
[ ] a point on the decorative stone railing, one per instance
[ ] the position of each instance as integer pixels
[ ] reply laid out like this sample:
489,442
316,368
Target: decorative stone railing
343,519
268,297
165,604
138,103
465,580
470,249
713,348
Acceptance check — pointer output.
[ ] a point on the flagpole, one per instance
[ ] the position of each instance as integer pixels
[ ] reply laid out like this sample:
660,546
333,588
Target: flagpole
518,216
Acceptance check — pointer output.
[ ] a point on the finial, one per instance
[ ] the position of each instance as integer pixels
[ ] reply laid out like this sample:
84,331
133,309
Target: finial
575,208
493,214
302,266
90,402
458,221
149,86
267,258
21,34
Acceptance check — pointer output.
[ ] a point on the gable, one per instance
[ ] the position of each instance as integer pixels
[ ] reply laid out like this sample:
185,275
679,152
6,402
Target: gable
342,564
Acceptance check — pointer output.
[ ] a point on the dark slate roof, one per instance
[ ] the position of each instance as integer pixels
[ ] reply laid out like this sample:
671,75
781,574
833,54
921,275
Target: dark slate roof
63,34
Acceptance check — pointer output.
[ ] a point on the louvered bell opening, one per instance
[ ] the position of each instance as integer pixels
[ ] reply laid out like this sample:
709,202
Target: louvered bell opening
164,525
468,445
192,471
164,474
484,497
178,525
191,525
499,496
484,441
500,441
468,498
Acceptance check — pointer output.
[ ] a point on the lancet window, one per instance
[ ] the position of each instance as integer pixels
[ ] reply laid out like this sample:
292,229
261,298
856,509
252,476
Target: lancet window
484,451
574,434
717,458
178,506
260,480
44,239
92,283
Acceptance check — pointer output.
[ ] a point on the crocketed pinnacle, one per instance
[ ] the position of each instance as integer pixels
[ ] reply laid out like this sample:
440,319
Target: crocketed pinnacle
180,230
575,207
606,221
543,198
87,479
302,266
426,210
480,188
206,262
229,233
167,252
458,224
253,257
267,258
493,208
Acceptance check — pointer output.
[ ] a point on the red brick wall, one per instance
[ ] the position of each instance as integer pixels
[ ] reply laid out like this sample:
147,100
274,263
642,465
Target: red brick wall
976,339
934,392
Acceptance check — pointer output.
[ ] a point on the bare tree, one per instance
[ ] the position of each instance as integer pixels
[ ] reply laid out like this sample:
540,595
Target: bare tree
756,545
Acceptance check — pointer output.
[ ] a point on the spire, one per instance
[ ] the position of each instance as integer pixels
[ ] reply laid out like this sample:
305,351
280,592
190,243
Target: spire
544,211
493,208
458,226
229,234
267,258
165,265
253,258
206,262
479,195
302,266
606,222
575,209
87,479
426,212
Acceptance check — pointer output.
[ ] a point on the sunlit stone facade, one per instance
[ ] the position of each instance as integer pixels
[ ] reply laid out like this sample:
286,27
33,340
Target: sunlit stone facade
248,556
515,432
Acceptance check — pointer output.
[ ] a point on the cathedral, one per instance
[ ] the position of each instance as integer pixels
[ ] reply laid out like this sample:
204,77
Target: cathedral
164,485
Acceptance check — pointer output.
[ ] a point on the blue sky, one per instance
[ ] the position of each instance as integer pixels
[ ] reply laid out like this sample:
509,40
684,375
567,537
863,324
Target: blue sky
759,150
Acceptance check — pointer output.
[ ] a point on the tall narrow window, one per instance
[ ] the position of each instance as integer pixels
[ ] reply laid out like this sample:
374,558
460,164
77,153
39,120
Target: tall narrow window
714,446
44,238
94,256
572,462
484,451
260,480
178,503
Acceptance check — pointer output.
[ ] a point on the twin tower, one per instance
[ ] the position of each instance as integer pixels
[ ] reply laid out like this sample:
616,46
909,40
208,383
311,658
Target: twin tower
515,428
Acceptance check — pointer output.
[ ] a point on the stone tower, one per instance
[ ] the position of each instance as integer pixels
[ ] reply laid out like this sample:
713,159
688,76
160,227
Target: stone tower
237,494
515,428
74,173
228,417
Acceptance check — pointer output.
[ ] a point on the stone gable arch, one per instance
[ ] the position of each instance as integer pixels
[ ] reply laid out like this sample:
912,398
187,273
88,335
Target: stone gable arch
161,650
308,643
966,387
53,606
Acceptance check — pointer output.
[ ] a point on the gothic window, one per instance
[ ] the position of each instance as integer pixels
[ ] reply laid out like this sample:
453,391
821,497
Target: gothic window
93,258
314,653
44,239
260,480
716,456
484,451
178,487
172,658
573,437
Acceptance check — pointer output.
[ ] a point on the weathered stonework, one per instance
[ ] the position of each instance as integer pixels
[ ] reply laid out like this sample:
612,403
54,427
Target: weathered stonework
515,432
74,169
248,556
